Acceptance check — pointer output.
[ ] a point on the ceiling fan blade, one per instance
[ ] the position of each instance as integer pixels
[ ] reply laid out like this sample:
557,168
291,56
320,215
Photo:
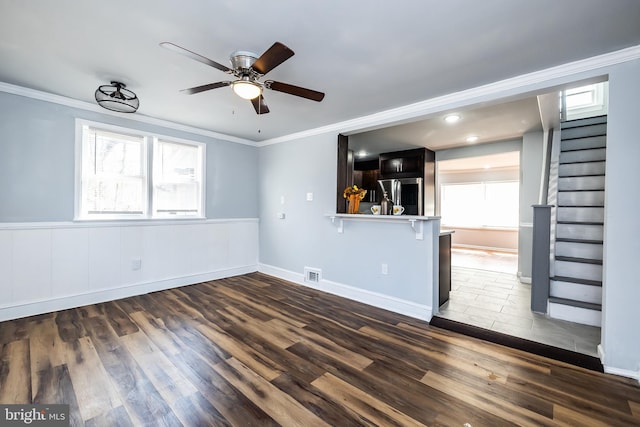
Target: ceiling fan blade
193,55
202,88
259,105
274,56
294,90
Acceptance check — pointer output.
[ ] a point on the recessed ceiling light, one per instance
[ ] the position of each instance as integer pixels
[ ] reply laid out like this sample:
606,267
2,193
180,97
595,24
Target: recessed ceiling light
361,153
487,166
452,118
472,138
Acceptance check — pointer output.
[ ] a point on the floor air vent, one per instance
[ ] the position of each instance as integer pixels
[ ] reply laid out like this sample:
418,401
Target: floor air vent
312,275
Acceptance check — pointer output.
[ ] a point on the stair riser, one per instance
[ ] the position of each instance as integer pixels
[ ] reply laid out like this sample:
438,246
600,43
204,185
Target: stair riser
578,270
578,231
584,131
581,214
581,169
584,143
581,198
579,250
581,183
592,155
575,314
576,292
584,122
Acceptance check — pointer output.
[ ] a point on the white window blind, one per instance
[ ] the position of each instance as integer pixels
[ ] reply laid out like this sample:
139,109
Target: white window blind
122,175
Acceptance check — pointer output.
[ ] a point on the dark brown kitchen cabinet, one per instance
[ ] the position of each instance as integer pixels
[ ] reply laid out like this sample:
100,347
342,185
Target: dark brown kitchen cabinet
401,166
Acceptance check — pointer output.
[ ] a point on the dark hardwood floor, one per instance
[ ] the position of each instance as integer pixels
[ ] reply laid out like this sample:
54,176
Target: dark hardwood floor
255,350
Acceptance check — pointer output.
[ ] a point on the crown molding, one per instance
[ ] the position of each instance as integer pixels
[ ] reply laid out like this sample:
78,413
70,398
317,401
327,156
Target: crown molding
490,92
87,106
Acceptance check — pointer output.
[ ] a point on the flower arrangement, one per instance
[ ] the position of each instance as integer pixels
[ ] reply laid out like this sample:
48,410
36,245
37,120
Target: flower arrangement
354,195
354,190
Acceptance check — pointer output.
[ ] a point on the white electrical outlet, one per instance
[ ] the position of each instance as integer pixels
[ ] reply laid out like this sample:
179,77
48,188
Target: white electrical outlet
282,200
385,269
136,264
309,197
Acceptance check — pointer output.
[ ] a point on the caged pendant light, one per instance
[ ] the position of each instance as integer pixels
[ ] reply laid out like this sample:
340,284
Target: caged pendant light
116,97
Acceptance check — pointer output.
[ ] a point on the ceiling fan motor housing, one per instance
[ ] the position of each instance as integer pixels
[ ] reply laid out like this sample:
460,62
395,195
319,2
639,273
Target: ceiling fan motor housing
243,59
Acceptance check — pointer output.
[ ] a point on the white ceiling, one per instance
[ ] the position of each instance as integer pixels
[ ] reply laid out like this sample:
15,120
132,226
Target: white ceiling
368,56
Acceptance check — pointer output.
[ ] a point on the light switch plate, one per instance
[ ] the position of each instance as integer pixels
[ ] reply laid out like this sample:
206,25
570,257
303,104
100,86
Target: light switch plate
309,197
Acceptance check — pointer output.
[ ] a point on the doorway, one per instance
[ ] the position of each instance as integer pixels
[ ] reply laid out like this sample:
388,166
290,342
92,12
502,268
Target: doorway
479,199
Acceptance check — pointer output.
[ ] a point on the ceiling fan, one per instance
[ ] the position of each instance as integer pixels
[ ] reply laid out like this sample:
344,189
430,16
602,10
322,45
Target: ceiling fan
248,68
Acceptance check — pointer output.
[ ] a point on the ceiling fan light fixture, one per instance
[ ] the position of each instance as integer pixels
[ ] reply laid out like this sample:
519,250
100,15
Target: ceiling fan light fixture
246,89
116,97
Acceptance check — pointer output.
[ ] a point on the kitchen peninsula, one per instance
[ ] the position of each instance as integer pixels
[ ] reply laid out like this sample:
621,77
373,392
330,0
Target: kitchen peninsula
401,272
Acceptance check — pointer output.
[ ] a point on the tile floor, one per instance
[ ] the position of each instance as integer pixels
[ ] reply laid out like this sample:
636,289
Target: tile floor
496,300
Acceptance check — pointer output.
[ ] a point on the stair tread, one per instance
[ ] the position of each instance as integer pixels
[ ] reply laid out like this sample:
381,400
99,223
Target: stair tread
580,176
564,239
581,161
581,206
580,191
576,280
581,222
574,303
582,137
572,150
580,260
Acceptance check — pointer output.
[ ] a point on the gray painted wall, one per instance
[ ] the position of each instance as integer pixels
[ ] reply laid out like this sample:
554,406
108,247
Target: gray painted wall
479,150
307,237
37,143
621,286
531,160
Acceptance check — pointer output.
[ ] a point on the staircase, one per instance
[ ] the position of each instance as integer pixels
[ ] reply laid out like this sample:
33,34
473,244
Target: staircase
575,292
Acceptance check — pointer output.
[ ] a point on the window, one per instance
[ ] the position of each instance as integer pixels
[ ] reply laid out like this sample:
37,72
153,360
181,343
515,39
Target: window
487,204
113,179
177,179
585,101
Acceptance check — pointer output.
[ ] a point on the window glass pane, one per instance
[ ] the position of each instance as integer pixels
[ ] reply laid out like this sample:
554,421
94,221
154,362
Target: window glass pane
177,179
501,204
491,204
113,174
114,196
461,204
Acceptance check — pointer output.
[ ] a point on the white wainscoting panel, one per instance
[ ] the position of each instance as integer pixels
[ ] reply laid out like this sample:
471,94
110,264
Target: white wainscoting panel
31,266
6,290
53,266
104,257
69,261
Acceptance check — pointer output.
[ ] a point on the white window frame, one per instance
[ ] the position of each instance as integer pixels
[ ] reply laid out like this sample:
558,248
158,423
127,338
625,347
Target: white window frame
148,141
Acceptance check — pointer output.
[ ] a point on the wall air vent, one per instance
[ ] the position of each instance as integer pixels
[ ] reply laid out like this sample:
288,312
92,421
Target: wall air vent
312,275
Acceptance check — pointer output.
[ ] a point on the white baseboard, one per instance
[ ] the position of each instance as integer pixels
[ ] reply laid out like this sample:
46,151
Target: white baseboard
78,300
617,371
397,305
523,279
484,248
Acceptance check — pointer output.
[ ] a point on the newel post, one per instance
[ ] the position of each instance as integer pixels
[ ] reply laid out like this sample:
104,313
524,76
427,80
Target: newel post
541,257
